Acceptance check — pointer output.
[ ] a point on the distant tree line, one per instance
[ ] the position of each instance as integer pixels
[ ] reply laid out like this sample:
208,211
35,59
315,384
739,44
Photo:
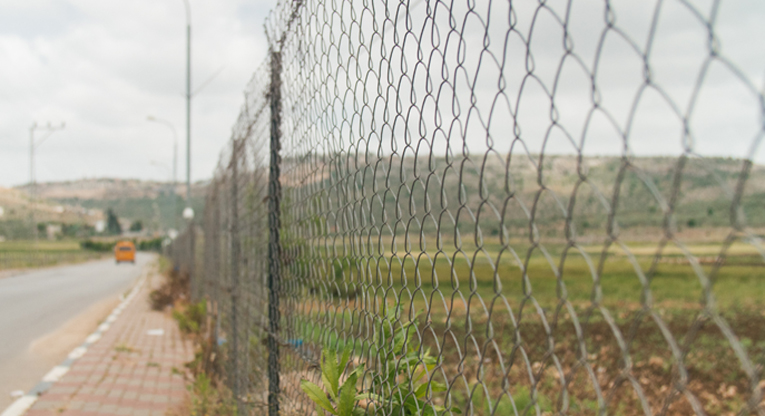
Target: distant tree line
154,244
18,229
113,226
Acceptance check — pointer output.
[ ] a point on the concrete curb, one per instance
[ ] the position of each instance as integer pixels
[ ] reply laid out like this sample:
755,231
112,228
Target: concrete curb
23,403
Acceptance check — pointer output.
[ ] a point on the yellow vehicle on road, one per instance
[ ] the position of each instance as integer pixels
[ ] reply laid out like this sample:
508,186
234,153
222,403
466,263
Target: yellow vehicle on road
124,251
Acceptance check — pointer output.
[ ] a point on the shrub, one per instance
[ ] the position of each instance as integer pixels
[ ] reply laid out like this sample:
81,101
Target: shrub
176,286
97,245
191,318
206,399
154,244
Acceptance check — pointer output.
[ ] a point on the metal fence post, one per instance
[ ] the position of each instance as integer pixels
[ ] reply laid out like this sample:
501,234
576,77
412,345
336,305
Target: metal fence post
274,247
192,260
234,288
192,250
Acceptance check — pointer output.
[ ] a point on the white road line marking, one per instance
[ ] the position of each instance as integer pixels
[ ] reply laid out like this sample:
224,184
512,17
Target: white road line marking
20,406
55,374
77,353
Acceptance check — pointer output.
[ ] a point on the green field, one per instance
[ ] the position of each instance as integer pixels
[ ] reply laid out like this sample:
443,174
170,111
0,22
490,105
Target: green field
493,322
583,275
29,254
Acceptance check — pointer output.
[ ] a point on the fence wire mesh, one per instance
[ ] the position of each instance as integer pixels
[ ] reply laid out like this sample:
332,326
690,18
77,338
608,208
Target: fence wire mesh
465,191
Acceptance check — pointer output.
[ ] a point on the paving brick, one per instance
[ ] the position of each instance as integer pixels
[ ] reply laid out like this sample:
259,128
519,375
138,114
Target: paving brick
45,405
126,372
41,412
54,398
75,405
62,389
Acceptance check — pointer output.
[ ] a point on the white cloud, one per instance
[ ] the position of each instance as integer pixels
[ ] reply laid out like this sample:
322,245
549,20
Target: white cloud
102,67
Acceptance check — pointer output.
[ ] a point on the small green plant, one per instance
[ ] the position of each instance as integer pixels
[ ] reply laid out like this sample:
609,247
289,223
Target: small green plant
403,382
340,400
191,318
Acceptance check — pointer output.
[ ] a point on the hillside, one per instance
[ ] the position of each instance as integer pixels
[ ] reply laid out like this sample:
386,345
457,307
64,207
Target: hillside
106,189
16,206
508,191
150,202
507,195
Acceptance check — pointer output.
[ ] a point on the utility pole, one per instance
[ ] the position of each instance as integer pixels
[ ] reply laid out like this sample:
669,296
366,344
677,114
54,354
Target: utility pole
188,108
188,213
50,129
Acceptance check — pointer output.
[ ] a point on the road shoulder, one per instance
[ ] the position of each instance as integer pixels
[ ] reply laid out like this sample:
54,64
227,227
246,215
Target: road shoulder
128,366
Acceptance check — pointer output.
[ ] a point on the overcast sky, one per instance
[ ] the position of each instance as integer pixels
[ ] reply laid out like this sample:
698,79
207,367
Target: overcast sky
103,66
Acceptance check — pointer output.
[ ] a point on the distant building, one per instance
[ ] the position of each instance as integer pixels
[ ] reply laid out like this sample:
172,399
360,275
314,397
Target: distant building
53,231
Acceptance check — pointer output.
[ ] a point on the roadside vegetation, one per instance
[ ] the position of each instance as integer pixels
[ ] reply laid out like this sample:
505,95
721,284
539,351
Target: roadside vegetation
208,393
107,245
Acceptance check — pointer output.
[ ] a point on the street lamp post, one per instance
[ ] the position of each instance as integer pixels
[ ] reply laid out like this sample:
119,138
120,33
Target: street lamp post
188,103
188,213
32,181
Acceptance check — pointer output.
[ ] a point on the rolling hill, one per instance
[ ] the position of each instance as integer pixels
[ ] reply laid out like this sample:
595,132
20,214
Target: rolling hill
150,202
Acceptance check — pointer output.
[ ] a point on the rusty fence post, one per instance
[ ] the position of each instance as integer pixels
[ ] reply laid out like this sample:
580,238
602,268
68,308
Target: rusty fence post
274,244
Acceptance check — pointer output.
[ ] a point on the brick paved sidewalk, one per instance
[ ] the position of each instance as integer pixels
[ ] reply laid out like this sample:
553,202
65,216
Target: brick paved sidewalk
129,371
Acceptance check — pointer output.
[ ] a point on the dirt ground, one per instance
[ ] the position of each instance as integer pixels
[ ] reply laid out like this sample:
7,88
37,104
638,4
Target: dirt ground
645,376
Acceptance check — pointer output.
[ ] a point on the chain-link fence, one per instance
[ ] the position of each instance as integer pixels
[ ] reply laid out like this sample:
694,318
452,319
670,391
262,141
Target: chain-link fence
501,207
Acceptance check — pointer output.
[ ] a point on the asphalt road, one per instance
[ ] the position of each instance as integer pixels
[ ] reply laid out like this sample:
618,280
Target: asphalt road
42,304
